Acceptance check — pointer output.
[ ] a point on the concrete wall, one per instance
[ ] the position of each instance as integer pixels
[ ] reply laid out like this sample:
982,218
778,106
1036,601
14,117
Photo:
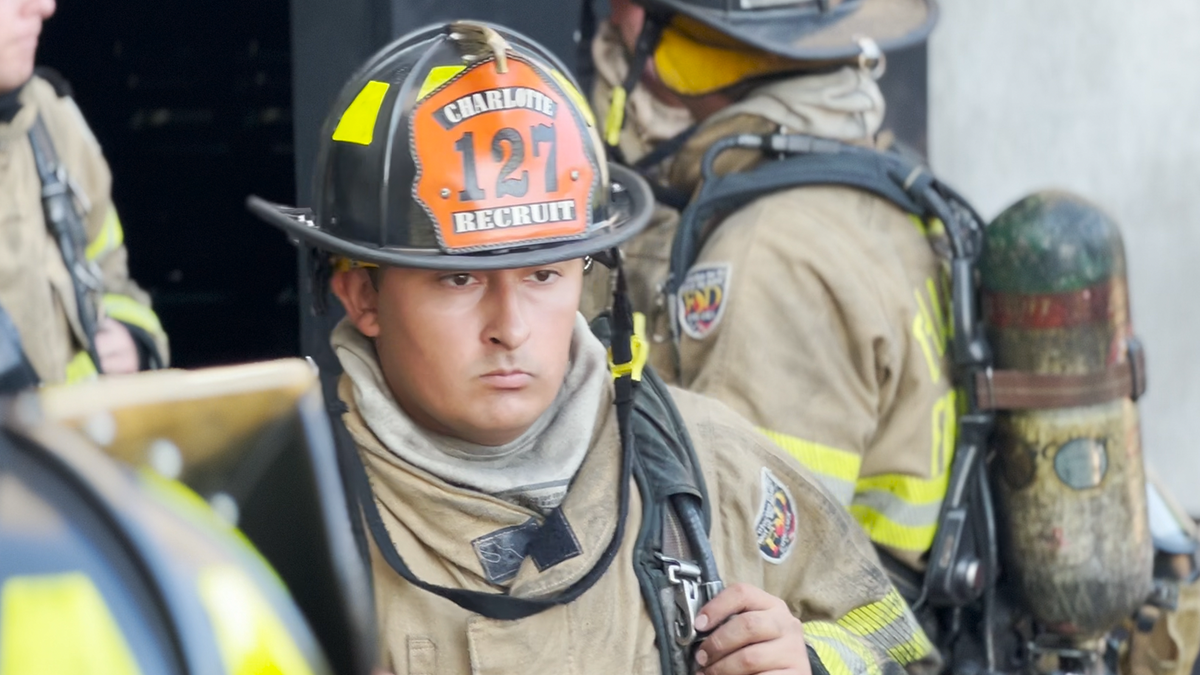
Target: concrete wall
1101,97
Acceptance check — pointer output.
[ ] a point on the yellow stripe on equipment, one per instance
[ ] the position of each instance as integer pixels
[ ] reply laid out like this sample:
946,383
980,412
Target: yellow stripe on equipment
59,623
111,236
127,310
251,638
437,77
358,122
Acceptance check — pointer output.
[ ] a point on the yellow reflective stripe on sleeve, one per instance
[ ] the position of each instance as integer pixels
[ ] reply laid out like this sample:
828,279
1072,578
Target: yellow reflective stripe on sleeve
890,626
898,510
127,310
842,652
836,469
358,122
616,116
81,368
111,236
59,623
251,638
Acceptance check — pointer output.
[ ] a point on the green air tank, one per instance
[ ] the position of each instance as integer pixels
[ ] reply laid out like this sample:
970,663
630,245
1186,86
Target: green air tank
1073,499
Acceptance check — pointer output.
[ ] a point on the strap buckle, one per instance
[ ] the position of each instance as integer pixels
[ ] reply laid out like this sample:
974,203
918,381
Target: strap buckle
685,577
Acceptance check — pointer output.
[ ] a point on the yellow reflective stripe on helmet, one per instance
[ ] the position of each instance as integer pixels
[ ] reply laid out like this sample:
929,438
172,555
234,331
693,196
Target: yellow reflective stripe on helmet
81,368
251,638
111,236
889,625
841,652
836,469
59,623
358,122
576,97
438,76
127,310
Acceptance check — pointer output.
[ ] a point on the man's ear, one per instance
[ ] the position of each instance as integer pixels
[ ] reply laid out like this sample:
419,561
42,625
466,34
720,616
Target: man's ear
358,295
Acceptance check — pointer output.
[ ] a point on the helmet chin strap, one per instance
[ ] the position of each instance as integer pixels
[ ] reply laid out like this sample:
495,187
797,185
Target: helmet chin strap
647,42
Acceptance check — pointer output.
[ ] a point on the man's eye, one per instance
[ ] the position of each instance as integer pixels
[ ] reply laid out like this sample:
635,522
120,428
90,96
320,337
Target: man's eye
542,276
462,279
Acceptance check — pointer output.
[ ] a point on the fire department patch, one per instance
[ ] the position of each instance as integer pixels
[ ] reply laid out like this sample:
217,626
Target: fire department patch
776,526
702,299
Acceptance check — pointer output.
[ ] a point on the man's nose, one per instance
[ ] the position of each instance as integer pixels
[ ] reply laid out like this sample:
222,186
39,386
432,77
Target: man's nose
507,325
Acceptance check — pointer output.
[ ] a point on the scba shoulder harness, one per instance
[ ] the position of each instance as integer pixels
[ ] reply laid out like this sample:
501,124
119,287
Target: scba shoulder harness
963,560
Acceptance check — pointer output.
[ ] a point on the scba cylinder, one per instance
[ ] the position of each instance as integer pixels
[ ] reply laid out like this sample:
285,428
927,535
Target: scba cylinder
1070,478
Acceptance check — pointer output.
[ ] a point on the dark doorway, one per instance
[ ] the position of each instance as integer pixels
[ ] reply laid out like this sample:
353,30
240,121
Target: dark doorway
191,102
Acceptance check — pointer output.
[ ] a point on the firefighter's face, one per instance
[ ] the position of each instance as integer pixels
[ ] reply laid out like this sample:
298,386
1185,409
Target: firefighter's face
477,356
20,26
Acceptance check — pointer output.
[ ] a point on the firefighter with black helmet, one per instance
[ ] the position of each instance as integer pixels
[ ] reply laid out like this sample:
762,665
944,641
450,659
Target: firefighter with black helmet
533,501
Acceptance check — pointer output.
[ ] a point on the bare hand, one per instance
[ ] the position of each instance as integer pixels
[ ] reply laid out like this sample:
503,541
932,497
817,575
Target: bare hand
756,634
116,348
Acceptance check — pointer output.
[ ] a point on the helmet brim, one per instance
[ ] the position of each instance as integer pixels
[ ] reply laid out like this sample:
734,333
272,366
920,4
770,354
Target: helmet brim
891,24
632,205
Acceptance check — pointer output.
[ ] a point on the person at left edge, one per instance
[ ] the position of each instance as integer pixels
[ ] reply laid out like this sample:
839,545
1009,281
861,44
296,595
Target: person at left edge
68,315
511,469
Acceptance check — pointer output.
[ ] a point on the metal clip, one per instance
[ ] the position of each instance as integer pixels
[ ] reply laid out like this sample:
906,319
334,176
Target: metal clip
685,577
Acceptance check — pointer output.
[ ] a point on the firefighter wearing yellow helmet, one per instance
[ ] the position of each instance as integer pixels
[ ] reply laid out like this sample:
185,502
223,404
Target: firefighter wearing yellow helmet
535,502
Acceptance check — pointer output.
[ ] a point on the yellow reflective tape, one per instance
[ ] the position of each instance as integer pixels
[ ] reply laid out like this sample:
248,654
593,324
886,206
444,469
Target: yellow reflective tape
840,651
616,117
251,637
639,350
907,488
80,368
127,310
358,122
924,333
888,624
821,459
111,236
59,623
437,76
573,93
882,530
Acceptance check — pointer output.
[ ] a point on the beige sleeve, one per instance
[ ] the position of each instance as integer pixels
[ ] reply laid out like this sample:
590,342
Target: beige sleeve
777,528
802,347
123,299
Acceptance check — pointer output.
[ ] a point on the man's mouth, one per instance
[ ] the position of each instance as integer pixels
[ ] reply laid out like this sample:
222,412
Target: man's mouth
507,378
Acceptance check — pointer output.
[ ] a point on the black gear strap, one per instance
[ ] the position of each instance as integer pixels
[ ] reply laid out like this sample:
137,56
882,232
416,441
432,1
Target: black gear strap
66,224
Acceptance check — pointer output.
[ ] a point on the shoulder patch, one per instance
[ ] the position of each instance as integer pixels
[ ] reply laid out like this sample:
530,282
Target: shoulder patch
776,526
702,299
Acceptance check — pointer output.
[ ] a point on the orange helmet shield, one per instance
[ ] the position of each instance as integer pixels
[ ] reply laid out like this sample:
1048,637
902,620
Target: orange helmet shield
503,159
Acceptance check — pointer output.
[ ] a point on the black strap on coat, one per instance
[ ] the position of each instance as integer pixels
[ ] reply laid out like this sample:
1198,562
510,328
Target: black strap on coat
65,223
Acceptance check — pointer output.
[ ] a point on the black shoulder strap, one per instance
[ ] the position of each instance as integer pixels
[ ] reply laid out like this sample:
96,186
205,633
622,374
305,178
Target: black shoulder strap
65,223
